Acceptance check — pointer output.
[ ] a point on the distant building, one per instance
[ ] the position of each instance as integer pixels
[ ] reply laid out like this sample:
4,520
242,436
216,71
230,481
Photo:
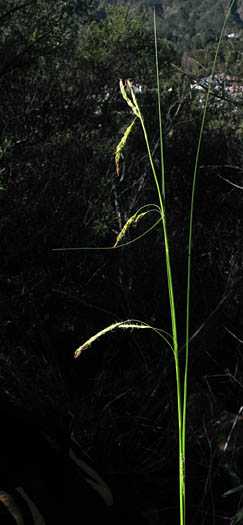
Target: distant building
233,35
223,85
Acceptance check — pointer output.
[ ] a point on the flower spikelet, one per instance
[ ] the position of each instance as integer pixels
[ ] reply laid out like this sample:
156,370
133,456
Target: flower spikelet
134,219
123,324
122,143
133,105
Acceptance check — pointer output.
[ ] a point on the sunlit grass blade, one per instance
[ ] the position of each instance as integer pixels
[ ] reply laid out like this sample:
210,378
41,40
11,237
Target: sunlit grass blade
191,223
108,248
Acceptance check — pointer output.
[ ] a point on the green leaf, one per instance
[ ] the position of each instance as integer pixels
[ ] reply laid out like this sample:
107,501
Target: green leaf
234,490
239,516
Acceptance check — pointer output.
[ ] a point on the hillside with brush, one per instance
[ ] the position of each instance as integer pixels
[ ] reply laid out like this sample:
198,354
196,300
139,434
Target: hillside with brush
184,20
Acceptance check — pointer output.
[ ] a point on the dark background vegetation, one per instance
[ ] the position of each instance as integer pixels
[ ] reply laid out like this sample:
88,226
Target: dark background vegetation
61,118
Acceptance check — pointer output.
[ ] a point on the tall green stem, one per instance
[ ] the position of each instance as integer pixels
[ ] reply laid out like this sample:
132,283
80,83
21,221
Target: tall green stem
161,195
174,329
159,110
